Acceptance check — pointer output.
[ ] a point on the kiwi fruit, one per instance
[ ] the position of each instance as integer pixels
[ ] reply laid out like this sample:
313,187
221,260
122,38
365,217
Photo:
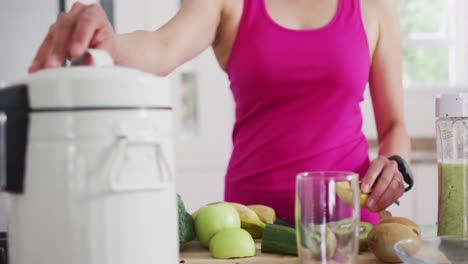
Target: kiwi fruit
384,214
315,240
384,236
364,230
345,193
343,230
403,221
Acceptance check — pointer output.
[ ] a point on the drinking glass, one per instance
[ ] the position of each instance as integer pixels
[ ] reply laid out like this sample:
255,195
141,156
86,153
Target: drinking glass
327,217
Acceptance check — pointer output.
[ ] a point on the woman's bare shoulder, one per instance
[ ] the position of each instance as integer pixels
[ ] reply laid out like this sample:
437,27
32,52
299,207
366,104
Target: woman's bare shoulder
381,9
379,16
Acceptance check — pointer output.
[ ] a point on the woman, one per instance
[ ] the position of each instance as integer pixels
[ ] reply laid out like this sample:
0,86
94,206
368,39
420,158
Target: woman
298,70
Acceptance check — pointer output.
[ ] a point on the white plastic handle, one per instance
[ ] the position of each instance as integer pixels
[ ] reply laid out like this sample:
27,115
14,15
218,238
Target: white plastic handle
100,58
122,145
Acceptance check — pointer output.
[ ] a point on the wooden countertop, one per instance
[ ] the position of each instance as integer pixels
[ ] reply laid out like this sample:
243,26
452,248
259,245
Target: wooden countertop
193,253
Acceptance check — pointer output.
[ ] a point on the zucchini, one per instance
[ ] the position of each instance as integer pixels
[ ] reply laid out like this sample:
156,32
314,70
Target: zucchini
279,239
186,223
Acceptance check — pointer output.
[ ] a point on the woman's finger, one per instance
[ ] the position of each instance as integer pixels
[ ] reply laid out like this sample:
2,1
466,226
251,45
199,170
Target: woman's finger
372,174
90,21
43,51
383,182
394,191
65,26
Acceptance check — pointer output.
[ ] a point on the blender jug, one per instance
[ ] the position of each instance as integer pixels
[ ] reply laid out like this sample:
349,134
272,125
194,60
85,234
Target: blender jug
14,124
89,166
452,157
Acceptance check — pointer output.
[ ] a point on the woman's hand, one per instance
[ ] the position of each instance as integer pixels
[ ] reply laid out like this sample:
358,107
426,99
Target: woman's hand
85,26
387,183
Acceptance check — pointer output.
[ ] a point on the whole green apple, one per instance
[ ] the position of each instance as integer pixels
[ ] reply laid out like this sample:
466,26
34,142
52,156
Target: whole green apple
214,218
232,243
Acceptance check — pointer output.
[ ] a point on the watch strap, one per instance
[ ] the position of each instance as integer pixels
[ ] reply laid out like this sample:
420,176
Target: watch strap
405,171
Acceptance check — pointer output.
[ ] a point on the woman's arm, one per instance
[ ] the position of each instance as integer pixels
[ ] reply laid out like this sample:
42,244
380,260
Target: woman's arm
386,86
191,31
387,99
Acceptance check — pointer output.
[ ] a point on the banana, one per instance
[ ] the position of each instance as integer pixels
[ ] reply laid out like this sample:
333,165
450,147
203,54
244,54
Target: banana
266,214
249,220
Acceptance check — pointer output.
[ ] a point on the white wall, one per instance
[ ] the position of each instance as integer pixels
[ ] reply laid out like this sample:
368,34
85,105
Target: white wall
23,25
419,111
202,161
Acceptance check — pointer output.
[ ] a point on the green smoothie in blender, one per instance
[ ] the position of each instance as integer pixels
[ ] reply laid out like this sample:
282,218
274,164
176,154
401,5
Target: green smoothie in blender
453,199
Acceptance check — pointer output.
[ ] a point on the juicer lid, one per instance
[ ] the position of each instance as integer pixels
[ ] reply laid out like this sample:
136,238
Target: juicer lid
103,86
452,105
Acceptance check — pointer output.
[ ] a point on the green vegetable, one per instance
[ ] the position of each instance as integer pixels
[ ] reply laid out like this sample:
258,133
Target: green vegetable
213,218
279,240
186,224
232,243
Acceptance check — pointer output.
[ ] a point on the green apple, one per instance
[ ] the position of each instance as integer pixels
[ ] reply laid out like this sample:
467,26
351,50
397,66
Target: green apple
213,218
232,243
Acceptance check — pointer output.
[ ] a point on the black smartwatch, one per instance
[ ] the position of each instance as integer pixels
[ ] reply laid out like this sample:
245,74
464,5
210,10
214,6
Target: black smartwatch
405,170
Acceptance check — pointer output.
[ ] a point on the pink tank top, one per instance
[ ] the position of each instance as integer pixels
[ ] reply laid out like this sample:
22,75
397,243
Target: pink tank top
297,95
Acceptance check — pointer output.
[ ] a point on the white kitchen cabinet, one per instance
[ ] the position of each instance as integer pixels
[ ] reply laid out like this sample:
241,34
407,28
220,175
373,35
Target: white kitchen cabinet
420,204
202,158
427,194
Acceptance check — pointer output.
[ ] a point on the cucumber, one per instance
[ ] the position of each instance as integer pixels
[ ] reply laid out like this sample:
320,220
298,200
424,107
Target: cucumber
279,239
186,224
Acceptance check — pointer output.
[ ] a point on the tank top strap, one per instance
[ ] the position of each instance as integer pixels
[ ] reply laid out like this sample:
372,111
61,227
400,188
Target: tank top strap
248,23
251,6
250,12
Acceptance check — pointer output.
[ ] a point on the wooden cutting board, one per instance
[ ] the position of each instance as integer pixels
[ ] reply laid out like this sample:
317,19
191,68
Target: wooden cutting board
194,253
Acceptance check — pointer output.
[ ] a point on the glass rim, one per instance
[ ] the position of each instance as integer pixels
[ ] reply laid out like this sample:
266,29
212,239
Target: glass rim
327,175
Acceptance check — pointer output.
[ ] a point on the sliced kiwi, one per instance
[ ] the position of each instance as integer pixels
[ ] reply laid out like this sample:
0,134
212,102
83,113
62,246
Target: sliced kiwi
321,251
364,230
343,230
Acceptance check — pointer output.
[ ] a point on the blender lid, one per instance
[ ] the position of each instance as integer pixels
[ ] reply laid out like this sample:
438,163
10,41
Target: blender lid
452,105
102,86
94,88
